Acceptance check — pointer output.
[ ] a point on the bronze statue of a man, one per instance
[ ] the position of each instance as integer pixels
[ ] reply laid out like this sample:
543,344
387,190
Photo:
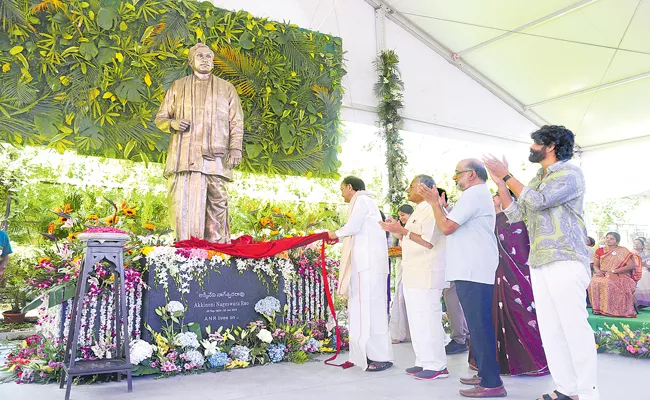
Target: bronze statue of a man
204,116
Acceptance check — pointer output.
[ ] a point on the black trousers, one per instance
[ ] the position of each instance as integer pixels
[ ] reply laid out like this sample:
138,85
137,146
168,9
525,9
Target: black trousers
476,299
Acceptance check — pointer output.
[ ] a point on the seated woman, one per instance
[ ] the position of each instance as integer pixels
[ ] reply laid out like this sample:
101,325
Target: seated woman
611,290
642,294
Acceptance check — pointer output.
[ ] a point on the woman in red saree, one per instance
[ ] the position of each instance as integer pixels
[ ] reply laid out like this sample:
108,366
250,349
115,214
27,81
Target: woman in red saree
611,290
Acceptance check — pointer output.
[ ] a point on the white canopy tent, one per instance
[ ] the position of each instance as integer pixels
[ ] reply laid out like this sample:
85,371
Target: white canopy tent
490,72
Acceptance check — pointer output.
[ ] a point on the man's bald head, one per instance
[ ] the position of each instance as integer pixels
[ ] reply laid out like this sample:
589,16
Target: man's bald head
477,166
470,172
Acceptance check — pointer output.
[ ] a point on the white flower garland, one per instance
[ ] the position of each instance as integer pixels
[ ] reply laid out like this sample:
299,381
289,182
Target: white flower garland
84,316
138,310
294,311
301,299
131,312
68,318
91,323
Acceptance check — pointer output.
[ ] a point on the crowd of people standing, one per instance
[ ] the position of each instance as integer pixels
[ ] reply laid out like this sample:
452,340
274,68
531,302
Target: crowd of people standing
514,290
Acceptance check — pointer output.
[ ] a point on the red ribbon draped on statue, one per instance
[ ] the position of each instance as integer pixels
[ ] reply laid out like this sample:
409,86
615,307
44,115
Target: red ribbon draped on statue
245,247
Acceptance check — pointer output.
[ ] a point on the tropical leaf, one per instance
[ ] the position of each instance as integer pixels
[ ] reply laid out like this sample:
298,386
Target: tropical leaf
299,51
12,12
130,89
174,28
241,70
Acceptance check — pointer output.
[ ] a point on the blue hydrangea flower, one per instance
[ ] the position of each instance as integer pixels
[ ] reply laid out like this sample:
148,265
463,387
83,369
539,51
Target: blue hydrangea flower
267,306
276,352
218,359
241,353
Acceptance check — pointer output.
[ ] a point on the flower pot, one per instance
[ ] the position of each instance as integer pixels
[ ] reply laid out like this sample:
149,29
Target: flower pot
13,318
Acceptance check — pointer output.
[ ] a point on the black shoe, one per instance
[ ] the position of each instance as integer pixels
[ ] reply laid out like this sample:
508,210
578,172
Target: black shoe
456,348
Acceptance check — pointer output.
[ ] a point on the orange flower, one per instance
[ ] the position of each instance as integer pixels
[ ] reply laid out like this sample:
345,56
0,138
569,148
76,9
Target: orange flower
289,215
214,253
149,226
50,228
67,209
112,220
276,210
44,259
124,206
129,212
265,221
62,220
293,221
93,217
273,233
73,236
284,254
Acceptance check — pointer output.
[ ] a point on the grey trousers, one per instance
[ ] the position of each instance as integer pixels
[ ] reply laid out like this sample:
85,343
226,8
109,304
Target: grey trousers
459,331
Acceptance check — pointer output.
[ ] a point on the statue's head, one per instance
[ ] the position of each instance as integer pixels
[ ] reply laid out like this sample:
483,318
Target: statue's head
201,58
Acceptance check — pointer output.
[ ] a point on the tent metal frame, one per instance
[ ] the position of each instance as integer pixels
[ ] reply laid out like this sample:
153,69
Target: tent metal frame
454,59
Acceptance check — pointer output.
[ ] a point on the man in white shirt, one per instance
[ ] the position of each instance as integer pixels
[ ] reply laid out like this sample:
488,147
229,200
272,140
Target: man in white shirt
472,259
423,278
363,274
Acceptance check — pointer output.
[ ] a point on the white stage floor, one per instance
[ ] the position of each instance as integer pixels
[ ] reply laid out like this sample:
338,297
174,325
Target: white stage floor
620,378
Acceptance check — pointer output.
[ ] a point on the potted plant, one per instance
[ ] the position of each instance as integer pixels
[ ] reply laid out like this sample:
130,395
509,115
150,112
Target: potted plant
14,289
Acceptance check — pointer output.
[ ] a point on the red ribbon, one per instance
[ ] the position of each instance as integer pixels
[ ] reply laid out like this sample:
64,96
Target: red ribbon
330,303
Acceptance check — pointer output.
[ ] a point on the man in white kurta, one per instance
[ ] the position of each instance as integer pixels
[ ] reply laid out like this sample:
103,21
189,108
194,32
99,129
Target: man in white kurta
364,281
423,264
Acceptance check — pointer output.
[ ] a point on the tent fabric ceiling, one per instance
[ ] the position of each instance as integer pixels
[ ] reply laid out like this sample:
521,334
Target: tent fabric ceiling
584,64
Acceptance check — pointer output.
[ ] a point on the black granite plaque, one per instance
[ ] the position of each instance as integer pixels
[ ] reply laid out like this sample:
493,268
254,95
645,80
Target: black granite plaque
227,298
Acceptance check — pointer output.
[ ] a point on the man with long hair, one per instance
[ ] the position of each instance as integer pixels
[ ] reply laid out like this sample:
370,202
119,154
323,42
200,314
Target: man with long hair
552,205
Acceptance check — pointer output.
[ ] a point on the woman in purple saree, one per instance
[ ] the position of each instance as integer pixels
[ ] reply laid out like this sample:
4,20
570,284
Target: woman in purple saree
519,345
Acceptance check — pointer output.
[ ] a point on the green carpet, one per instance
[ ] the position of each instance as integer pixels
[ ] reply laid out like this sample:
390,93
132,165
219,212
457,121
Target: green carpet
643,318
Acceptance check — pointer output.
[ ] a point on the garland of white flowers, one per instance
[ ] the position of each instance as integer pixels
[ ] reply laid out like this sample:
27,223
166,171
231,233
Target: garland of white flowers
138,310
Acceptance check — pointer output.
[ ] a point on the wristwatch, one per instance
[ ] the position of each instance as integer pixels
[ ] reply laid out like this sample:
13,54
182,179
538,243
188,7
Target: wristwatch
505,178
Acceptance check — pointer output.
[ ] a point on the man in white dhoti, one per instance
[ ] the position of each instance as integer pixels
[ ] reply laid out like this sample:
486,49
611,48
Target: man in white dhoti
423,263
362,278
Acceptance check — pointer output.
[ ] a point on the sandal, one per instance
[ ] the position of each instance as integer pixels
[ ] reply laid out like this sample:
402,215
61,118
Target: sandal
377,366
559,396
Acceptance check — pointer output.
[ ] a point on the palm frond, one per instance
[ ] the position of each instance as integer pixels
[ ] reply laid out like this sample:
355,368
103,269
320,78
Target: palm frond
242,70
299,51
22,93
12,12
175,27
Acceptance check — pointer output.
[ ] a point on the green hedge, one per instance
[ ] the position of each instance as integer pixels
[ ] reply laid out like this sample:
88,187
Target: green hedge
89,76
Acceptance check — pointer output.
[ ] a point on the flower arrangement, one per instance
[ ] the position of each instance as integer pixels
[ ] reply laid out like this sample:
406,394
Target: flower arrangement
628,342
35,360
180,348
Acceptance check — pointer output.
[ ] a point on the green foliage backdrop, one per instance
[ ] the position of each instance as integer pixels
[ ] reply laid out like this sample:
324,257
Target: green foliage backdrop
89,76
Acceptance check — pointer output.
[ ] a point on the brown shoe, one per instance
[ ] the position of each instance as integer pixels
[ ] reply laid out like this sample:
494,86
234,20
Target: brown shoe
482,392
472,381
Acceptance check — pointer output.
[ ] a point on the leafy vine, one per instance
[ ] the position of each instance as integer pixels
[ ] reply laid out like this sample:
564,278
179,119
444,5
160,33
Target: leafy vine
388,91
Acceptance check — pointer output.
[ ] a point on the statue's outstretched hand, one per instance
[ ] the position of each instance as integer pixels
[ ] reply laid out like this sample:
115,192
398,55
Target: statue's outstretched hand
234,158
